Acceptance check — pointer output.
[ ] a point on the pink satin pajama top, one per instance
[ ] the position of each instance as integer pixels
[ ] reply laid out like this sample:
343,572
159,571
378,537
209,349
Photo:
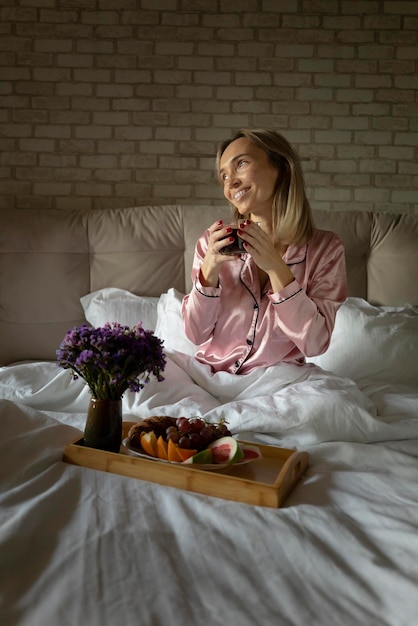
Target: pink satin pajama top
237,329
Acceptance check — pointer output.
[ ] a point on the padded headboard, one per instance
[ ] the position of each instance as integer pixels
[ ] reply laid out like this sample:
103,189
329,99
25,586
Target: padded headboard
50,258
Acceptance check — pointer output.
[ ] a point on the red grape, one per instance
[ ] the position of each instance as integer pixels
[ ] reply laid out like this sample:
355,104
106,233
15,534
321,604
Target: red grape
183,425
195,441
173,436
196,424
207,433
184,442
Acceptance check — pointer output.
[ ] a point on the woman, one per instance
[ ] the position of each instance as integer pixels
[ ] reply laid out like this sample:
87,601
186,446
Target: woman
277,301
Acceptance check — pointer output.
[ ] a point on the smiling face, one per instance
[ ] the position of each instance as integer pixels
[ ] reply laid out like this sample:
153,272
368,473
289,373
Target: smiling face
248,178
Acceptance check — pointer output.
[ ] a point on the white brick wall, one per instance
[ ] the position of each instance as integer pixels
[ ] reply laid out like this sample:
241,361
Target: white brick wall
107,103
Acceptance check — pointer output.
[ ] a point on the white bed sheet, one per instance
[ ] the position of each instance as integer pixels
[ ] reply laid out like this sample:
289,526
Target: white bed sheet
78,546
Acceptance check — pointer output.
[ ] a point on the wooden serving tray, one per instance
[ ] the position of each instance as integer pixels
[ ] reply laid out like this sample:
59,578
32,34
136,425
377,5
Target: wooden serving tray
264,482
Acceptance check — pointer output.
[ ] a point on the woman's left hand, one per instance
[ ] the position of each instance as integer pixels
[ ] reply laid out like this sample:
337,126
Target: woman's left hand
265,254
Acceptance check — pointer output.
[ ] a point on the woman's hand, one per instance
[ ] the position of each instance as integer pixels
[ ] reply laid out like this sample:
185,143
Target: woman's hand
265,254
219,237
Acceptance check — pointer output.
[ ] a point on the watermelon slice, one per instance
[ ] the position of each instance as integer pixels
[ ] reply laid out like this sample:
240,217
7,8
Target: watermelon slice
204,457
226,450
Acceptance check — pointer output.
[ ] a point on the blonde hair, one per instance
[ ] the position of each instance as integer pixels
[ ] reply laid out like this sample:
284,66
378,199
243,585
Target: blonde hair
292,220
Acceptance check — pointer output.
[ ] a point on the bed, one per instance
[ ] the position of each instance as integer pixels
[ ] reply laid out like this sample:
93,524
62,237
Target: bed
82,546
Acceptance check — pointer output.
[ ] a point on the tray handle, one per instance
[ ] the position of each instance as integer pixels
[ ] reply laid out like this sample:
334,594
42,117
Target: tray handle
289,475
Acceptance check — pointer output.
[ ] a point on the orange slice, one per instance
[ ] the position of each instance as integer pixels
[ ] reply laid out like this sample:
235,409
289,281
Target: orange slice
173,452
186,453
162,448
149,443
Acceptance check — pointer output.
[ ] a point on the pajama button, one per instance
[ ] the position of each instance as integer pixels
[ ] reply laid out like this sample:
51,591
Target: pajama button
249,342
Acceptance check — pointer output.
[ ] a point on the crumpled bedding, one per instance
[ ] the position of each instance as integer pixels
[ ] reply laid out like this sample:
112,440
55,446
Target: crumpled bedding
79,546
284,404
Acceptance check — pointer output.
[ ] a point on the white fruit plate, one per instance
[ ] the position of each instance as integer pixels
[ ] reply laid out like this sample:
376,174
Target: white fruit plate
253,454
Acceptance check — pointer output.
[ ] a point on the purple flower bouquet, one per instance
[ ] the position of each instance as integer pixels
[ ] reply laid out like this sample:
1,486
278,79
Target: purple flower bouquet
112,358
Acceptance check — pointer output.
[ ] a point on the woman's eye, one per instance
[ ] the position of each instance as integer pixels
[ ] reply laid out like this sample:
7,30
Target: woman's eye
241,163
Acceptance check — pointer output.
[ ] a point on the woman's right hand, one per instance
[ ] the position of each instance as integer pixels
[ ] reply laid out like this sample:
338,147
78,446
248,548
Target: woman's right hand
218,238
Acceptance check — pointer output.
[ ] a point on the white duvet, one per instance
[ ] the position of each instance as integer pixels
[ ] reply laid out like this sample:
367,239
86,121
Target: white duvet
284,404
84,547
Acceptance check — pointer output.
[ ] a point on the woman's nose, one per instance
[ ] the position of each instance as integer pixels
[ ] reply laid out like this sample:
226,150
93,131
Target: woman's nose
233,180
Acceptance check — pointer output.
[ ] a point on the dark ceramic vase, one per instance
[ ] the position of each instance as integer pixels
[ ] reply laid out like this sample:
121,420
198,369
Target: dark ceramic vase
103,428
